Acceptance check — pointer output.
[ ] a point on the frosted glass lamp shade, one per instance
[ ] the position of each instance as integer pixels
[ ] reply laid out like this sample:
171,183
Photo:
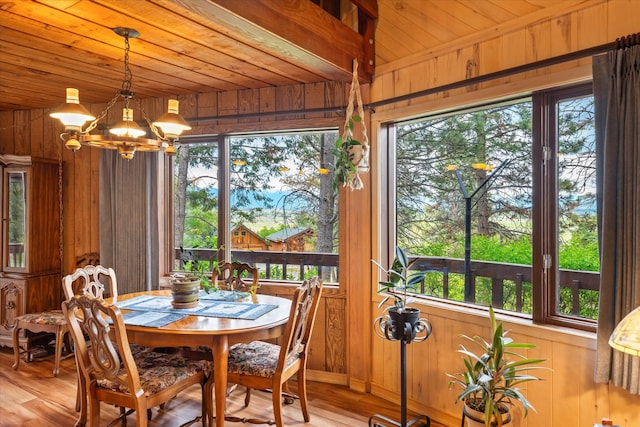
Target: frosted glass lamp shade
171,123
72,114
626,336
127,127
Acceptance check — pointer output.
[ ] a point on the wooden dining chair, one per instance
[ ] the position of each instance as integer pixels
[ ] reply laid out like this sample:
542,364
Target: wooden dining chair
50,322
97,281
262,365
113,374
235,276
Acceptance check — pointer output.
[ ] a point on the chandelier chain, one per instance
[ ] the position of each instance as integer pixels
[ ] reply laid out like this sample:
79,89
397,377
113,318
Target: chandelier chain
104,112
126,83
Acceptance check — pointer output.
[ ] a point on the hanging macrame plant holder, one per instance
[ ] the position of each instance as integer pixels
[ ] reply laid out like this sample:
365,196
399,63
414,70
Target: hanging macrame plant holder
356,152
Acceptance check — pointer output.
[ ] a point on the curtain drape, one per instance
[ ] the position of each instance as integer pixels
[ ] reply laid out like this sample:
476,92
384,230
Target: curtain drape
129,219
616,86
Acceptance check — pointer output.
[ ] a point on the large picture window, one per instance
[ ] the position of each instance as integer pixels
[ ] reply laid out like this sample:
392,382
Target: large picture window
268,200
498,204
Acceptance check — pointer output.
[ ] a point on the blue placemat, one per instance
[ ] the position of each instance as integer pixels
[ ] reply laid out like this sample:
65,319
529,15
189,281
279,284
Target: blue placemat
221,295
151,318
205,307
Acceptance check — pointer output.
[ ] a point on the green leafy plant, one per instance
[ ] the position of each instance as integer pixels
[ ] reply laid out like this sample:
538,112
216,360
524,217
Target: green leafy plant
492,376
195,270
344,171
400,280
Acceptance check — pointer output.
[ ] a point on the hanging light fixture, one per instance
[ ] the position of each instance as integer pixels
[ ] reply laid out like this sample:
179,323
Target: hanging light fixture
126,136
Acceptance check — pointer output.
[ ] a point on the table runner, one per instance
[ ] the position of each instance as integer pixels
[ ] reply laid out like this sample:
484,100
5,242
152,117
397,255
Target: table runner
205,307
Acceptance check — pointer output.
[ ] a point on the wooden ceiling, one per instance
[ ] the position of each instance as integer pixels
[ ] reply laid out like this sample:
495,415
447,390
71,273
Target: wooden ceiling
185,46
194,46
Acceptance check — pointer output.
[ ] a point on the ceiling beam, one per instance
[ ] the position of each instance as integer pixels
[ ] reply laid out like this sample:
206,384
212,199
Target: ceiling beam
297,32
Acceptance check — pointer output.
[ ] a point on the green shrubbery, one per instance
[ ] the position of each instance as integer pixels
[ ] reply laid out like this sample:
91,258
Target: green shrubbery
579,252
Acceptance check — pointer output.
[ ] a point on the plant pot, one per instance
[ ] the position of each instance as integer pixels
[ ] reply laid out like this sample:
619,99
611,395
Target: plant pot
401,324
185,292
476,418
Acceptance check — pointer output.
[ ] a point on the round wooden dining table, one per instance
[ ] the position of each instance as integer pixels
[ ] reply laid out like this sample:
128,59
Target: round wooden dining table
217,333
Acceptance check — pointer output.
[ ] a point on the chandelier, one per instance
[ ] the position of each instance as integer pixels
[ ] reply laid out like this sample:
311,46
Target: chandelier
126,136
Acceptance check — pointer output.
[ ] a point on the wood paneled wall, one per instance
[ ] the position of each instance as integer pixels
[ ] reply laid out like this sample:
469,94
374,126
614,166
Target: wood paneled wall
569,396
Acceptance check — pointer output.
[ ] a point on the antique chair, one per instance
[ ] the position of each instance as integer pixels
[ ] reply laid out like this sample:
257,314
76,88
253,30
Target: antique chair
235,276
114,375
262,365
95,280
51,322
92,280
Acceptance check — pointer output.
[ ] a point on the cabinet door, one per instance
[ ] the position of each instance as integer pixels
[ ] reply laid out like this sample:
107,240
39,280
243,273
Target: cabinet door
14,216
12,303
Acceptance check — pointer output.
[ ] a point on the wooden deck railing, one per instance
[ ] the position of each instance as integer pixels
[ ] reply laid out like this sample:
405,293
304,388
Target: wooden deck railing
275,265
505,278
503,275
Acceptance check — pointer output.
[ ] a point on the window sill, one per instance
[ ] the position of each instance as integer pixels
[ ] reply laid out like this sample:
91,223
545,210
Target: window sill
518,324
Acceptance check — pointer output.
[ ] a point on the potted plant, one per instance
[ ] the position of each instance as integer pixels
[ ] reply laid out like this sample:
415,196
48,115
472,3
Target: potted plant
185,289
400,279
492,377
345,171
351,157
186,285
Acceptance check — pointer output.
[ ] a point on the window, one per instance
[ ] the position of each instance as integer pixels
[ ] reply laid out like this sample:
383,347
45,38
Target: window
498,204
568,242
270,196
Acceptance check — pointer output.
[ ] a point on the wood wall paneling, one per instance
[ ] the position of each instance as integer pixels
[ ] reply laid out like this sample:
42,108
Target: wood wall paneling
335,333
248,102
207,106
6,132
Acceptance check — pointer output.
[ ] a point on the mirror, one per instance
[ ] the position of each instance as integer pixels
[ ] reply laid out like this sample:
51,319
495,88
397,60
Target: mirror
16,216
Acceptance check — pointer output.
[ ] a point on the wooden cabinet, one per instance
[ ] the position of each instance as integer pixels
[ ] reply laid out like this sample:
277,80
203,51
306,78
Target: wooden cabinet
30,279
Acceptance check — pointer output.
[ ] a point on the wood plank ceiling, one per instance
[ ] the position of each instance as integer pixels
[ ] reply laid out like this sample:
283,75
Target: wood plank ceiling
194,46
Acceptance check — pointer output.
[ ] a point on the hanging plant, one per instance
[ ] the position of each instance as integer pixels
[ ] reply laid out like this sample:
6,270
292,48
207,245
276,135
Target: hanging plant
352,156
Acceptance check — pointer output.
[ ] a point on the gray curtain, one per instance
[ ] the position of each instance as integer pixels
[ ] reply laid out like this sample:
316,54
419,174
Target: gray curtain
616,86
129,219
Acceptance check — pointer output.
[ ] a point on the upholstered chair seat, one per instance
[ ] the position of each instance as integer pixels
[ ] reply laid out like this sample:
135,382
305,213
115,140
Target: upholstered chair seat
258,358
50,322
157,371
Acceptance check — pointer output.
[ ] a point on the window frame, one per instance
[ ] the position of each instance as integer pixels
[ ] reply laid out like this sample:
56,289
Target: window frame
545,208
224,234
544,197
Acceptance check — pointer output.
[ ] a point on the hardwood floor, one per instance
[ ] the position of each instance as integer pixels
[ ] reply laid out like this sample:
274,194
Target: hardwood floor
32,397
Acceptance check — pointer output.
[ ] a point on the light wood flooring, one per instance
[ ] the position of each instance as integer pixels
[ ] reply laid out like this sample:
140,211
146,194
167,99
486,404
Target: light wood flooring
31,396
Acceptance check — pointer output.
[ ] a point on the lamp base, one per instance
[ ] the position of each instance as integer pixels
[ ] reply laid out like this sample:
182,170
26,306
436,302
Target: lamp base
382,421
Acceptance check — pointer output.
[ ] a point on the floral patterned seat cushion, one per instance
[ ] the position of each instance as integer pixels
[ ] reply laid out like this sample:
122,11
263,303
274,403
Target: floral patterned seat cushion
157,371
53,317
257,358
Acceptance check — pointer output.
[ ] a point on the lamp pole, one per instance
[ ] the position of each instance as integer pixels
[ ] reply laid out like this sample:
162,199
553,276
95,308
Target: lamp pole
468,205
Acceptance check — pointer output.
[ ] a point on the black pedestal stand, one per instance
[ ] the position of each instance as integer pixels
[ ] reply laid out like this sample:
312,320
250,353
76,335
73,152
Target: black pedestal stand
406,332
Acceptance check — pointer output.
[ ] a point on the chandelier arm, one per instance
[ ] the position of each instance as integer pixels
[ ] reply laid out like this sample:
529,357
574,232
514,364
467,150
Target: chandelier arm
101,116
153,127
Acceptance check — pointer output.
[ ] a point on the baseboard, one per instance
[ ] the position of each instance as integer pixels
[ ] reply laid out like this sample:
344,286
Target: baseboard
327,377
